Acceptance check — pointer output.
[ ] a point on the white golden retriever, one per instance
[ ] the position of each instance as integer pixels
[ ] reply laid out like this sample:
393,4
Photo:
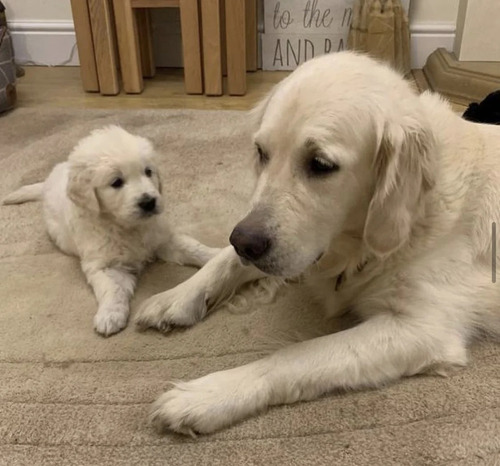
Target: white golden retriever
385,200
103,206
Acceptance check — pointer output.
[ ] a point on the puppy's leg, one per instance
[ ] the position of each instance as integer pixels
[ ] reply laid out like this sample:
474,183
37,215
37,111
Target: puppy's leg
113,289
185,250
190,301
377,351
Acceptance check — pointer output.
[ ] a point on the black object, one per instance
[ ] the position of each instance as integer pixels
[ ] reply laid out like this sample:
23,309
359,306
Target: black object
488,111
3,19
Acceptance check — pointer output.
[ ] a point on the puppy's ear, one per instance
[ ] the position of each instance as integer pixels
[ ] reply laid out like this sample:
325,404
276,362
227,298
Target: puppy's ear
403,172
80,189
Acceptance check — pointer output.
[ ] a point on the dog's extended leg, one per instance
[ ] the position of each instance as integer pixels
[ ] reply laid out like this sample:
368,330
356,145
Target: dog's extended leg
185,250
380,350
113,289
190,301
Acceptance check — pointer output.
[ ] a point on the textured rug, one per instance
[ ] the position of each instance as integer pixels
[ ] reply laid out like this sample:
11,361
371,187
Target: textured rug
70,397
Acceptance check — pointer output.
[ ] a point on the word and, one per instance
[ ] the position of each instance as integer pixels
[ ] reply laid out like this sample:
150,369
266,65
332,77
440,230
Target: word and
290,53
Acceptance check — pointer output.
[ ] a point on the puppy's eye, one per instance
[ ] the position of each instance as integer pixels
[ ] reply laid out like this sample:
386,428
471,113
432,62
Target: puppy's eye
148,172
322,166
263,157
117,183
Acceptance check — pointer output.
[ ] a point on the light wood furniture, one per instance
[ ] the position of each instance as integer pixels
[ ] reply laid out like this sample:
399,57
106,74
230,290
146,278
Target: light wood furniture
133,30
104,46
251,34
83,32
212,45
229,43
236,47
96,45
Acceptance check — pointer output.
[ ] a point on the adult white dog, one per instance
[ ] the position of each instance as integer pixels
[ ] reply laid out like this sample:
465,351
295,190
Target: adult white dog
103,206
385,200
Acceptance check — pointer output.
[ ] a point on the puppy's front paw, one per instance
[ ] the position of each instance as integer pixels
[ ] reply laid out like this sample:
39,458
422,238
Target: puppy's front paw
182,306
108,321
210,403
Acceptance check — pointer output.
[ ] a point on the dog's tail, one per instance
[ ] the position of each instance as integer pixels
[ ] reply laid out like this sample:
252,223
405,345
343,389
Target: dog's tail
30,192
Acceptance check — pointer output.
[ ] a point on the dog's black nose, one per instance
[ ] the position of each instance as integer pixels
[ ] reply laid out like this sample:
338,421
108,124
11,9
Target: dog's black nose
249,243
147,203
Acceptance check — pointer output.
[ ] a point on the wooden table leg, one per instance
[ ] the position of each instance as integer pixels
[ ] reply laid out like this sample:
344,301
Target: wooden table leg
212,62
128,45
104,46
83,32
191,46
236,47
145,31
251,34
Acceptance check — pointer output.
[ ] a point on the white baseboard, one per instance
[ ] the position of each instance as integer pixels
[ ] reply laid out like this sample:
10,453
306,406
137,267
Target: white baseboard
53,43
48,43
427,37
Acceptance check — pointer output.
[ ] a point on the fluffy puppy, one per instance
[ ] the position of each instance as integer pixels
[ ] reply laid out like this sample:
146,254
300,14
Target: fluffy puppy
103,206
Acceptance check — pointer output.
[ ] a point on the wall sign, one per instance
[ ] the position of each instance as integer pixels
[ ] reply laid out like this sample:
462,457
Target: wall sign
298,30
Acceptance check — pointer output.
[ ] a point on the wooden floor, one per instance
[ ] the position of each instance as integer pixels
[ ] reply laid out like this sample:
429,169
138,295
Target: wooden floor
61,87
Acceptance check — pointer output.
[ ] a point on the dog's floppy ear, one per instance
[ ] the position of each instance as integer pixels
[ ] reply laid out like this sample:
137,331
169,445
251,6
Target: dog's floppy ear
80,189
403,173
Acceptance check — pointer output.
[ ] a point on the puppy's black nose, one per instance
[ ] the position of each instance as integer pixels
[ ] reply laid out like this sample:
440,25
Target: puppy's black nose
249,243
147,203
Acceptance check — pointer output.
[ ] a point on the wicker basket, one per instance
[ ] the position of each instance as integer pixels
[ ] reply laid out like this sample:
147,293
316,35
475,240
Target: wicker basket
7,66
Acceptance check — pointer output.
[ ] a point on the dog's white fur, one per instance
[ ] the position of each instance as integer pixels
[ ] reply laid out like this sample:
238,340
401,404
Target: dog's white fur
414,199
104,225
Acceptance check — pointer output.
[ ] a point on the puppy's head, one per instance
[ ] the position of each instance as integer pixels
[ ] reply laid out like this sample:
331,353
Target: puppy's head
112,172
342,151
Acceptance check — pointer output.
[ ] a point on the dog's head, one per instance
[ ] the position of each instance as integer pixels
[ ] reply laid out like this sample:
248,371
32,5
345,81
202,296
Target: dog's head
112,172
342,150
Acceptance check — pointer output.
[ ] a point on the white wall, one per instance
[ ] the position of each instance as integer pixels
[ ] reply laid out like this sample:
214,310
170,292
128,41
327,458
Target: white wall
38,10
432,25
43,31
433,11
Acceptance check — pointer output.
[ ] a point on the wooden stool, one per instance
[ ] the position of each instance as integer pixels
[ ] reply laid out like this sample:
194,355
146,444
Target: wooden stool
229,43
96,45
133,29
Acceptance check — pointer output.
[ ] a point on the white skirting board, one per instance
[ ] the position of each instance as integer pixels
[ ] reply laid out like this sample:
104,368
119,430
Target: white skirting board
53,43
427,37
46,43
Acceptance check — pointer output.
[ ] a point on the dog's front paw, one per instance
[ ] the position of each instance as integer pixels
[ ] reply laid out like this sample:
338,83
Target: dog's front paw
108,321
182,306
210,403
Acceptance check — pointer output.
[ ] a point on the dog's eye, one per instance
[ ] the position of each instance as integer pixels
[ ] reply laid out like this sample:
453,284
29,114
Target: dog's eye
322,166
117,183
263,157
148,172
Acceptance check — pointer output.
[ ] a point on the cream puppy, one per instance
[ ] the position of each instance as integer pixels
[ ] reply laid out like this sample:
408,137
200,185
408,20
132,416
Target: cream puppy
103,206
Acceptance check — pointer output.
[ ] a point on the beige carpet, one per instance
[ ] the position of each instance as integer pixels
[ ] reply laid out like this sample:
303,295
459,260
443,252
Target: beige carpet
69,397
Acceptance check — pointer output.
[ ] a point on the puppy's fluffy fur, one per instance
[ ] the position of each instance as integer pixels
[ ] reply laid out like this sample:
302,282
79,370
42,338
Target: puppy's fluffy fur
103,205
396,194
